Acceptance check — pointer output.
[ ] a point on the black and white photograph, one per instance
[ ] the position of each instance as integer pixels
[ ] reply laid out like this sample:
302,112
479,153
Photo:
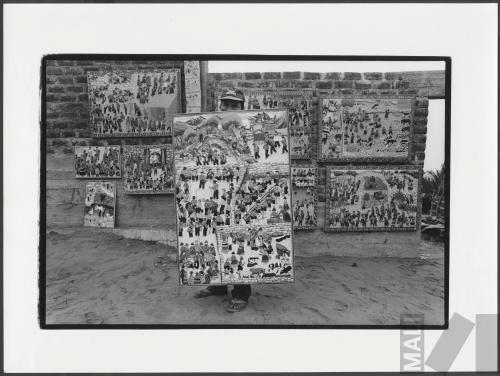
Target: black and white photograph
247,234
209,178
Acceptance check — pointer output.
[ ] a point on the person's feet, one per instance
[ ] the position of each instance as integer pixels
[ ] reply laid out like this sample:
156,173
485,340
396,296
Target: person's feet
236,305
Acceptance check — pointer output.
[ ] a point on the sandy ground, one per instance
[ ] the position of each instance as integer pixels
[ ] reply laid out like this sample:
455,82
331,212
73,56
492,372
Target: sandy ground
96,277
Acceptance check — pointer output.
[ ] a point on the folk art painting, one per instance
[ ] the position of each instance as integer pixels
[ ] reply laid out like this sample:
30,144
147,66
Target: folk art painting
373,129
305,197
373,198
133,103
148,169
100,198
233,197
93,162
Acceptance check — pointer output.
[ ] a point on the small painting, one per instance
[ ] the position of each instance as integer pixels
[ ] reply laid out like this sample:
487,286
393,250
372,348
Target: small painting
305,197
148,169
100,204
94,162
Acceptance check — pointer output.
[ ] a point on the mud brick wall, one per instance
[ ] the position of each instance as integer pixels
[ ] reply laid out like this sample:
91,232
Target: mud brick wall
67,125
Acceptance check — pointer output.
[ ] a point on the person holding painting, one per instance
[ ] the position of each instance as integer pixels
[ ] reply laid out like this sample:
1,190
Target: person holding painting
230,100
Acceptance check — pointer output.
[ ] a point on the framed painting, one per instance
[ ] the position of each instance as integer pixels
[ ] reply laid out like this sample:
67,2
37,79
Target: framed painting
233,182
100,199
366,128
97,162
373,198
132,103
305,199
148,169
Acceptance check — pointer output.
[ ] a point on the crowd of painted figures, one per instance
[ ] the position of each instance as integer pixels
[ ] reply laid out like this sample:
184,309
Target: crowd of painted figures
373,200
97,162
121,105
148,169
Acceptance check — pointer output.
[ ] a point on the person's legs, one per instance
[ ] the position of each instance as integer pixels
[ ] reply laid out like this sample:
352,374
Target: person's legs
212,290
242,292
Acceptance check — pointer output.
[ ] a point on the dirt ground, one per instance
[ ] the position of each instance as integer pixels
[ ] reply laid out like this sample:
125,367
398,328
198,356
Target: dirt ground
95,277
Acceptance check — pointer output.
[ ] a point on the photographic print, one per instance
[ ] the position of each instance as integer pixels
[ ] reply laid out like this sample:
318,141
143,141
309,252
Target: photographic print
220,225
367,128
305,197
100,204
97,162
373,198
232,169
132,103
148,169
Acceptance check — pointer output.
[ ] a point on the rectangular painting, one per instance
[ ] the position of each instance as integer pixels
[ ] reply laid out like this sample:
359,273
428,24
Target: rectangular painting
93,162
100,204
373,199
148,169
133,103
305,197
233,197
369,128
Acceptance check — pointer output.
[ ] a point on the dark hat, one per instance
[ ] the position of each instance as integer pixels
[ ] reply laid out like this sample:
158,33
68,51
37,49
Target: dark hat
232,95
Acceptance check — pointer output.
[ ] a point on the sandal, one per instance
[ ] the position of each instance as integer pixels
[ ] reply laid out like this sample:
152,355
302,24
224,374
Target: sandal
236,305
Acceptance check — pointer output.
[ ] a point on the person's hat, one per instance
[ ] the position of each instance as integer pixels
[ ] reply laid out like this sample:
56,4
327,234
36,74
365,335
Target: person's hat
232,95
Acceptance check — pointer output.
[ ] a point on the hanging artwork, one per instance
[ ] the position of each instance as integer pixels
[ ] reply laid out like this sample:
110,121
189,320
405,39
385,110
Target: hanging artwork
192,85
97,162
148,169
368,128
100,204
305,198
373,199
232,181
133,103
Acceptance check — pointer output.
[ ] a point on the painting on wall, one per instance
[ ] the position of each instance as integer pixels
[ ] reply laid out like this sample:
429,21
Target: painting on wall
133,103
192,85
148,169
100,204
373,199
368,128
93,162
233,180
305,199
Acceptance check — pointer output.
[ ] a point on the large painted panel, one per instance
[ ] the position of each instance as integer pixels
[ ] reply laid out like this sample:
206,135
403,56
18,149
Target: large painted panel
373,199
133,103
369,128
226,183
